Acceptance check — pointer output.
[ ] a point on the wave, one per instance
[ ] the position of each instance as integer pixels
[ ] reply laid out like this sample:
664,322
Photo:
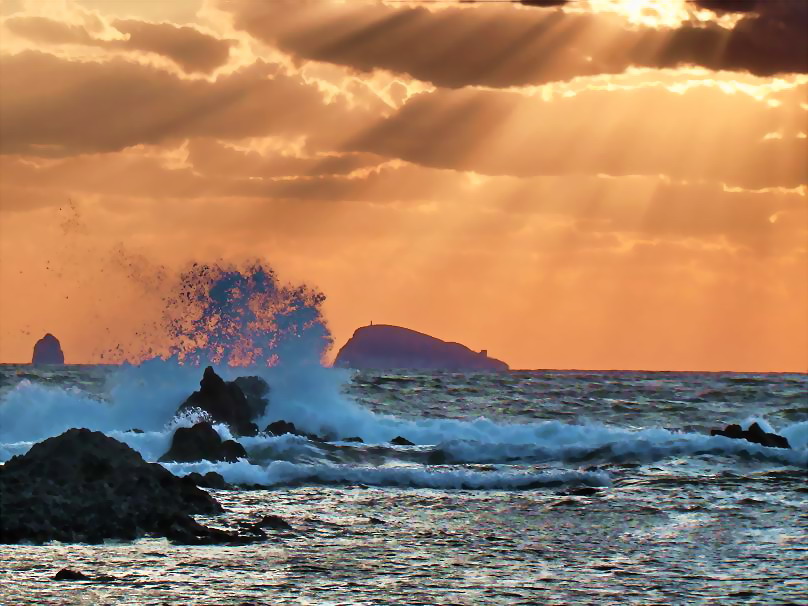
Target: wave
284,473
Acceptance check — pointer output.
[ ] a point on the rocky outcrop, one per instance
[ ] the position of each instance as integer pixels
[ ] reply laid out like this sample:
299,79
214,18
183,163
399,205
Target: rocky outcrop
48,350
381,346
256,391
201,442
401,441
83,486
209,480
754,434
224,402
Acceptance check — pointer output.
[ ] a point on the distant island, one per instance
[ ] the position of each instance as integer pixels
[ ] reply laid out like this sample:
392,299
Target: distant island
48,350
382,346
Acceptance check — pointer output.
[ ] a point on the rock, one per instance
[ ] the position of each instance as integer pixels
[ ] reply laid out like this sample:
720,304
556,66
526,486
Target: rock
65,574
84,487
381,346
209,480
399,441
754,434
273,522
279,428
255,390
356,439
202,443
48,350
437,457
224,402
134,430
376,521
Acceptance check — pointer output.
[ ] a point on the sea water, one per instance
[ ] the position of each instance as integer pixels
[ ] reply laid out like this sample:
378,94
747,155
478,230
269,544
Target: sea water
541,487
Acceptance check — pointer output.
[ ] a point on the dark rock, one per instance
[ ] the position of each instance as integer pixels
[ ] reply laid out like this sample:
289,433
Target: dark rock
754,434
134,430
273,522
201,442
279,428
84,487
356,439
48,350
65,574
209,480
381,346
399,441
256,391
224,402
376,521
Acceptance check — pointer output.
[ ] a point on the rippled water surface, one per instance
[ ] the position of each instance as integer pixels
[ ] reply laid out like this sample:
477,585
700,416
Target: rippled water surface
598,488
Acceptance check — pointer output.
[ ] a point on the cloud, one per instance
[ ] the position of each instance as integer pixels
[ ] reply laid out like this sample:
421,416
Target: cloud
188,47
56,107
503,46
702,133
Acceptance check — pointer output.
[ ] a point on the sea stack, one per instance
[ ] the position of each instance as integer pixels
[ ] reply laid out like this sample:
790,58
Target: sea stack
382,346
48,350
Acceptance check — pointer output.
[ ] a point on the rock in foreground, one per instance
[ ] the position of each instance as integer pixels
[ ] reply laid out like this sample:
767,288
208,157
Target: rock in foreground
84,487
48,350
380,346
754,434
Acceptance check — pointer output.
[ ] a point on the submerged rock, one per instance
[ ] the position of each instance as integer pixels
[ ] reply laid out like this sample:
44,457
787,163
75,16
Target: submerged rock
65,574
754,434
202,443
84,487
48,350
381,346
224,402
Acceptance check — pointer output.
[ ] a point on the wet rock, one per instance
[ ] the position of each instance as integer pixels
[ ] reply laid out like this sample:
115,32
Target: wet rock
376,521
754,434
84,487
279,428
209,480
65,574
256,391
48,350
224,402
356,439
201,442
400,441
134,430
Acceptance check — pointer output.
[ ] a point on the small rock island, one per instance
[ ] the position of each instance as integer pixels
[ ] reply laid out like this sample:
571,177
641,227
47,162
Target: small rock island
383,346
48,350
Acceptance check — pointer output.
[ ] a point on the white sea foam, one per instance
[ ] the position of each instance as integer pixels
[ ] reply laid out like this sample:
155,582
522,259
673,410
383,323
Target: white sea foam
283,473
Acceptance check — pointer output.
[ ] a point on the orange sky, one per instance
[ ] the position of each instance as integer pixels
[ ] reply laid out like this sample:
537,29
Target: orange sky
597,184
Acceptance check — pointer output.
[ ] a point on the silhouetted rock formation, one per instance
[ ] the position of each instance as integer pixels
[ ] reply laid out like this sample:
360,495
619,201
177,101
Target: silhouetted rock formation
381,346
83,486
401,441
201,442
754,434
48,350
224,402
255,390
209,480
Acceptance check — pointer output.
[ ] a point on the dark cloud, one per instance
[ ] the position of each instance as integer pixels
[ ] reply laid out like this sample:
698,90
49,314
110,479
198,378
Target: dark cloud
501,46
727,6
646,131
191,49
55,107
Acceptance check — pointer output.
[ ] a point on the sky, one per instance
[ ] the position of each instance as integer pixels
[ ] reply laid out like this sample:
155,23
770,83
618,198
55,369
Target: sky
592,184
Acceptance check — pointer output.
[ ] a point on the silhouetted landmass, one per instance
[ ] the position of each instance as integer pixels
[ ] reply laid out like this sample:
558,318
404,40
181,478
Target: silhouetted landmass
382,346
48,350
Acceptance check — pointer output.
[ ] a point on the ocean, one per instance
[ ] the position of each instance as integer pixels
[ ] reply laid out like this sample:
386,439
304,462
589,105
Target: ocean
542,487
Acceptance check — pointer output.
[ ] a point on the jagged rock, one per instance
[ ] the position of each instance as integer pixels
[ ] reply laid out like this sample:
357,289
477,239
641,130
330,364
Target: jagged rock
382,346
399,441
201,442
754,434
84,487
209,480
255,390
279,428
48,350
224,402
